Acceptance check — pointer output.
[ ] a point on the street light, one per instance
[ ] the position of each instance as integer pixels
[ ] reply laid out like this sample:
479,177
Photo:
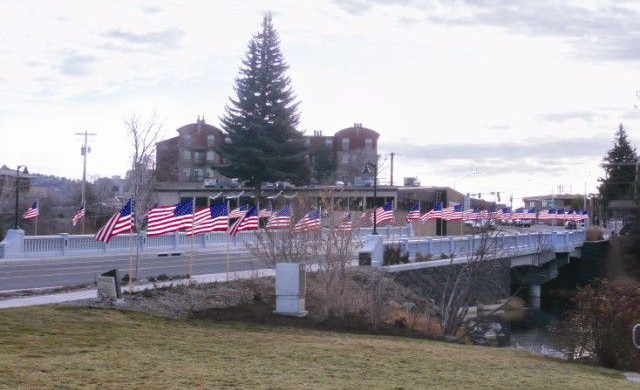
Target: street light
367,169
15,221
476,172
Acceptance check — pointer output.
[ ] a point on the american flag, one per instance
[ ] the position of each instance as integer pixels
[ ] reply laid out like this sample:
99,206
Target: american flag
383,213
78,215
469,215
414,213
238,212
120,222
280,219
32,212
519,213
560,214
435,212
309,222
248,221
266,212
446,212
530,214
346,224
210,219
584,215
455,214
168,219
547,214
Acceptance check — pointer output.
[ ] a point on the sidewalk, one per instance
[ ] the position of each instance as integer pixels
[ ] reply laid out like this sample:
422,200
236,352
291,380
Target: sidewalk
92,293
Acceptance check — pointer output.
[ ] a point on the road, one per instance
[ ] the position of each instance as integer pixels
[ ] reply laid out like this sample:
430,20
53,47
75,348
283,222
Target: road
38,273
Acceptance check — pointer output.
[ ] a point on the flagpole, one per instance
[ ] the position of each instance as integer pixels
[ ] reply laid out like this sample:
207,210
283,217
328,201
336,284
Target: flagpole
130,263
227,257
190,267
36,232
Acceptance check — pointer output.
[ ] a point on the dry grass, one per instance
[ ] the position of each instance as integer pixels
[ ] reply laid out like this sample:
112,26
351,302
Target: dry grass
68,348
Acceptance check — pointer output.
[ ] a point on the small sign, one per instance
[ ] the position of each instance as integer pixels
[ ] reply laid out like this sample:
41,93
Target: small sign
107,288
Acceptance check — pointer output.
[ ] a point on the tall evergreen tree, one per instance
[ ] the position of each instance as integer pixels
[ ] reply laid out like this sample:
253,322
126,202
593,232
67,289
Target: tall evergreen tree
261,121
619,167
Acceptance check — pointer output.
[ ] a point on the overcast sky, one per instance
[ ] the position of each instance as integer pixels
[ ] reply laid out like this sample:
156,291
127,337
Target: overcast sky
528,94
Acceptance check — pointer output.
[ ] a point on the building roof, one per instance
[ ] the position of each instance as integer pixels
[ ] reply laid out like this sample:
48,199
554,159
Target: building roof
357,130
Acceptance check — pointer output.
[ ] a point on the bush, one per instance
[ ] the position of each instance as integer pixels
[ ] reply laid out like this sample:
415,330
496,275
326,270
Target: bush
420,257
163,278
600,324
594,233
444,256
152,279
125,278
393,255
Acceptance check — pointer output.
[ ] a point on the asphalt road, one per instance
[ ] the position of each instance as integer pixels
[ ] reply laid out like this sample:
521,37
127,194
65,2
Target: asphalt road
38,273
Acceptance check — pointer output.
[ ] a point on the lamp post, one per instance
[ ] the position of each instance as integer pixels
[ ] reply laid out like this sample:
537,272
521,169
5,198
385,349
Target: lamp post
367,169
15,221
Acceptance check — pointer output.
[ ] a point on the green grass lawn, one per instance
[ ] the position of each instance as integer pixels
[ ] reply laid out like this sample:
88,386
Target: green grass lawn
55,347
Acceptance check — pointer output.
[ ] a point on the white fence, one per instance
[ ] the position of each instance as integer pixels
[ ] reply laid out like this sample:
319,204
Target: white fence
559,241
61,245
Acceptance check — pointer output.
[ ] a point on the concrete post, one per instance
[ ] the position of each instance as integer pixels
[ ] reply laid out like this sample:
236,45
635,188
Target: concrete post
175,240
291,289
535,294
65,242
375,246
405,245
14,243
430,246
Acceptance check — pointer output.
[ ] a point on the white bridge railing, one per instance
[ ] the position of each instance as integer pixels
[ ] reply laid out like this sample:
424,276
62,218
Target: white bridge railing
440,247
62,245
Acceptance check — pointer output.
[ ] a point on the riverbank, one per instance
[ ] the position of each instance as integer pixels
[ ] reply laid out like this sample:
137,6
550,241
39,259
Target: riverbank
69,347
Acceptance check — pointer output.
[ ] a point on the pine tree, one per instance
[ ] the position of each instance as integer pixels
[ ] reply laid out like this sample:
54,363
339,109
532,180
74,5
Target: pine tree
619,166
264,144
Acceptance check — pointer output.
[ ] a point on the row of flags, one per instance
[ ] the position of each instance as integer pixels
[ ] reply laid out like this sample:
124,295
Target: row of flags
33,212
457,213
181,217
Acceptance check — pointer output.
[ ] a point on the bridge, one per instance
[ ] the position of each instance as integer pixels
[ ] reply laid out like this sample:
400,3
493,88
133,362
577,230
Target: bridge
533,257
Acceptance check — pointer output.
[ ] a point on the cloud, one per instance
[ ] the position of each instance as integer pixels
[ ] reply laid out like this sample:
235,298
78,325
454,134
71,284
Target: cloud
77,65
560,117
606,31
168,38
542,151
152,9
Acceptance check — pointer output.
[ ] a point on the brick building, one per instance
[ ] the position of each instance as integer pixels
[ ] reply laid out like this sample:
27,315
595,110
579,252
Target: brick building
191,157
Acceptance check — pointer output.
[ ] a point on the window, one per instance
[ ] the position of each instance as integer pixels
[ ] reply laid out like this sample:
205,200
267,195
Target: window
186,173
198,174
227,140
306,142
209,173
368,143
186,155
345,158
328,142
198,157
345,144
211,140
187,139
211,155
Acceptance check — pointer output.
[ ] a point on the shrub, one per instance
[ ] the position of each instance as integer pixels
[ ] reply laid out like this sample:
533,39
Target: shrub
152,279
420,257
600,324
393,255
163,278
444,256
594,233
147,293
125,278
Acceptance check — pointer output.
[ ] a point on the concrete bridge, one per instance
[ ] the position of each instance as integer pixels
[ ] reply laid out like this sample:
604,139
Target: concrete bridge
18,246
534,258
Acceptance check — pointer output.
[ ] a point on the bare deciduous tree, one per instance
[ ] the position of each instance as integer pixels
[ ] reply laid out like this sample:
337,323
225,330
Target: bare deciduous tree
140,181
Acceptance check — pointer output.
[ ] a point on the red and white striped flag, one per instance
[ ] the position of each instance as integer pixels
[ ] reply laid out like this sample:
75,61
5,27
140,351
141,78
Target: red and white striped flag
238,212
210,219
32,212
168,219
78,215
309,222
280,219
248,221
414,214
383,213
346,225
121,222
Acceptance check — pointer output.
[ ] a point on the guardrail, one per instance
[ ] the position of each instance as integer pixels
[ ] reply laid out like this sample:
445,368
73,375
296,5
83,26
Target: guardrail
560,241
62,245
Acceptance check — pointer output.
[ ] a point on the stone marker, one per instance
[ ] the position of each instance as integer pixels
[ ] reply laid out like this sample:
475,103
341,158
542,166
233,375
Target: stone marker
114,274
107,288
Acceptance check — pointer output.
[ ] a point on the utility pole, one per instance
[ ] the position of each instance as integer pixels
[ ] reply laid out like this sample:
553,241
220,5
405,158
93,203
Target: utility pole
392,154
83,151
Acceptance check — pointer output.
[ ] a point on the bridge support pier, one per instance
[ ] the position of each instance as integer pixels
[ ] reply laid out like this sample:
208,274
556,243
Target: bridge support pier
535,294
